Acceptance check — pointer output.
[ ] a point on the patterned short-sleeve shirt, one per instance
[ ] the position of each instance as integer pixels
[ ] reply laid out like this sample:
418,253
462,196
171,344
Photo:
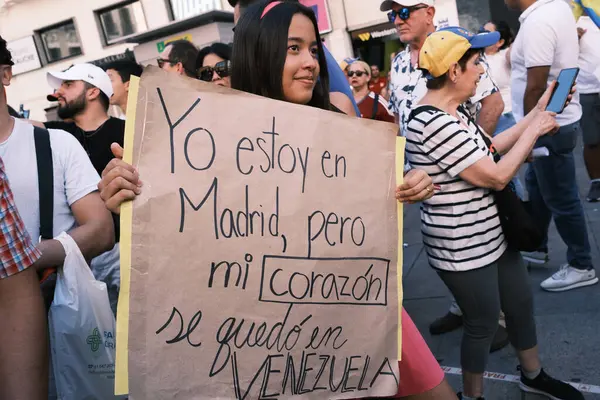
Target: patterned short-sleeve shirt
408,86
17,251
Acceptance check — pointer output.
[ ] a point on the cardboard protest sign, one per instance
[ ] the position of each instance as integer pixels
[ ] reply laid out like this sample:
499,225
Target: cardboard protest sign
262,255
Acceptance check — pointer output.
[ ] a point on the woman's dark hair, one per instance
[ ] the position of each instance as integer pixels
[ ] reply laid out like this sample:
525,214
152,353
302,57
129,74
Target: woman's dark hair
440,81
125,68
221,49
5,56
505,33
260,50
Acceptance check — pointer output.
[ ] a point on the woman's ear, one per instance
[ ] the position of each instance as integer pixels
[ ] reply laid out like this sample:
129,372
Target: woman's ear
453,72
500,43
6,75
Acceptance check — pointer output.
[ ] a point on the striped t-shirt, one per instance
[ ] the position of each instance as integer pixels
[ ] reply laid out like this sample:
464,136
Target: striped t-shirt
460,223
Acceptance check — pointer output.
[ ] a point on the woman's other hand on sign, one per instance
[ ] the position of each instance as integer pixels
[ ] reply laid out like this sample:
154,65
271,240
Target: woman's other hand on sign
417,187
120,181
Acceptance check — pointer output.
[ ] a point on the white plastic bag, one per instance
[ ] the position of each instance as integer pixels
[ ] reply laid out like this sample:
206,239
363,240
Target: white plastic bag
82,331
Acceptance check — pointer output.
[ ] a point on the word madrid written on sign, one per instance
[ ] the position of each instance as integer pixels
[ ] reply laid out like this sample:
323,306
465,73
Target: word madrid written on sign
295,350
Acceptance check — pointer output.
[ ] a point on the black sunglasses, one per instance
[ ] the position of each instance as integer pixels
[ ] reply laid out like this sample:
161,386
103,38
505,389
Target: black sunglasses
404,13
357,73
222,68
162,61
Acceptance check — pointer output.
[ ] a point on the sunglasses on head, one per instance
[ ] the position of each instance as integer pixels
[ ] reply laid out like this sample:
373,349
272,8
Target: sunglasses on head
357,73
404,12
222,68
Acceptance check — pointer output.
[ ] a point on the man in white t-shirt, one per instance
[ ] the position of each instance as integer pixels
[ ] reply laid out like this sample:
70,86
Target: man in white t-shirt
588,86
547,43
78,208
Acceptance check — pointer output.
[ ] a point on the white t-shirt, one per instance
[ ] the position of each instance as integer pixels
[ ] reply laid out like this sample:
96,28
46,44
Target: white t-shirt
74,176
589,57
460,224
548,37
500,72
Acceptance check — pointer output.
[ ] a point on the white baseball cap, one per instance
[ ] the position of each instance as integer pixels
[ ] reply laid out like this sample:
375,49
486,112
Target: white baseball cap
388,4
82,72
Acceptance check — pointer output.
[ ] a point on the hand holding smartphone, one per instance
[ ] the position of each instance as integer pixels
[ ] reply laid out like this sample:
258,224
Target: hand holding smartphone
564,84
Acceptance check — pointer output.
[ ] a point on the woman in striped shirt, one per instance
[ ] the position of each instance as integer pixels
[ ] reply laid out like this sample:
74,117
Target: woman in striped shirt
461,228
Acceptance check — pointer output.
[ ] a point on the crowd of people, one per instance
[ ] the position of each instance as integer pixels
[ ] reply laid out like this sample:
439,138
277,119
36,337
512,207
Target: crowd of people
472,107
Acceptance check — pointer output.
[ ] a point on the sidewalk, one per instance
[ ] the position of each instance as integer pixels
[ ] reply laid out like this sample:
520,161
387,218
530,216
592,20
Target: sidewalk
568,323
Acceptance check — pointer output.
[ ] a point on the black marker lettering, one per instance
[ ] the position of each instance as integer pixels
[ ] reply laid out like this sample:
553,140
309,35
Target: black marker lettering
325,359
385,363
237,155
172,126
326,156
187,155
345,387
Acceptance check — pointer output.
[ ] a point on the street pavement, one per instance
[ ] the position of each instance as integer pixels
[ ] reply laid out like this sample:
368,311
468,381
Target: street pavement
568,323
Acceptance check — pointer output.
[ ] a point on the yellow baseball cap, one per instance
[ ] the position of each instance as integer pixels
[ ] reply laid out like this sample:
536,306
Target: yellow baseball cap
447,46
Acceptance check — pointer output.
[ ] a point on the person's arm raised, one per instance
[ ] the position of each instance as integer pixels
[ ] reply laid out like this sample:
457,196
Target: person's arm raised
504,141
488,174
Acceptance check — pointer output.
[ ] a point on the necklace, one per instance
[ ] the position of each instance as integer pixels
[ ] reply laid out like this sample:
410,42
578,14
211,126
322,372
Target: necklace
88,135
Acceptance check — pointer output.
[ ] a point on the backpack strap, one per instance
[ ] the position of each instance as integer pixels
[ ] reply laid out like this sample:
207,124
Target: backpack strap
486,138
43,153
375,106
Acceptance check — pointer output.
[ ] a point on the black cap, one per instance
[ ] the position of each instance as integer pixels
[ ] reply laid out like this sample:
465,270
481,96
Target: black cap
52,97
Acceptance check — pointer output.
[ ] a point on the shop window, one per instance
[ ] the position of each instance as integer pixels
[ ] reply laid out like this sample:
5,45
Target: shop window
60,41
182,9
120,21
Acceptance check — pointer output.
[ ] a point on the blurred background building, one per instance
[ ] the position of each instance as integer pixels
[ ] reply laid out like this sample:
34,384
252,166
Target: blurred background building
54,34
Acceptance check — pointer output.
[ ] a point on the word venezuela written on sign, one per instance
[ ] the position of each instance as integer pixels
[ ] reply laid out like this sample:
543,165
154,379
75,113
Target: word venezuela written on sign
263,250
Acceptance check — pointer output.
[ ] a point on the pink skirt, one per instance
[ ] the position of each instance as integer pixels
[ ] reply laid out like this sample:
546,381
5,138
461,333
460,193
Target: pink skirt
419,370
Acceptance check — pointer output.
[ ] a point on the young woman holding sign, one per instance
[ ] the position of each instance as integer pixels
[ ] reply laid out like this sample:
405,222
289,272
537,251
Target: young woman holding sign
278,54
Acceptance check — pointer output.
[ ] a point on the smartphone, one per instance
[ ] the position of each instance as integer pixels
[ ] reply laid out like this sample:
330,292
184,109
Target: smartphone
564,83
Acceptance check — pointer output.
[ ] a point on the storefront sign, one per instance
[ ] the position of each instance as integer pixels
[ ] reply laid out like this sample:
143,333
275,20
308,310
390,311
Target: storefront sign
24,54
381,31
322,12
161,45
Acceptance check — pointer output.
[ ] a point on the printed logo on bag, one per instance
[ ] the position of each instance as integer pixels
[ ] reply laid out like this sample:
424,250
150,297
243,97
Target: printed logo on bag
94,340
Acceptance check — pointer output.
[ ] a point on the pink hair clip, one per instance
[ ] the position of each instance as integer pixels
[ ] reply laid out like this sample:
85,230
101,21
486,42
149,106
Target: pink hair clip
269,7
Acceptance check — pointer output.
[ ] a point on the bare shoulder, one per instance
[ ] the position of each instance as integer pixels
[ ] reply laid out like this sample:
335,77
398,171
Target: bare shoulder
342,102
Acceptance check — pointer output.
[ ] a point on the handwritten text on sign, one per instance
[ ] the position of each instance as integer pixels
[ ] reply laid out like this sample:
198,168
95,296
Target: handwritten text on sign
263,256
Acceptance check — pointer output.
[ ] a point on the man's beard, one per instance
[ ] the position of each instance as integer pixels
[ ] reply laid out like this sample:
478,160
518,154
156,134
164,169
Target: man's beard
71,109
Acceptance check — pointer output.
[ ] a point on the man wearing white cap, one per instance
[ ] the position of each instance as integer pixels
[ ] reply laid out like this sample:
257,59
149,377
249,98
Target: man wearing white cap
83,92
414,21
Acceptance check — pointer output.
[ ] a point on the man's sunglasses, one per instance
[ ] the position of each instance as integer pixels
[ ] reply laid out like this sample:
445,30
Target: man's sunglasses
357,73
222,68
404,13
162,61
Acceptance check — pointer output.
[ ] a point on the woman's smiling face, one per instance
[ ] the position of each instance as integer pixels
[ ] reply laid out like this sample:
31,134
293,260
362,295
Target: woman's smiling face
301,68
